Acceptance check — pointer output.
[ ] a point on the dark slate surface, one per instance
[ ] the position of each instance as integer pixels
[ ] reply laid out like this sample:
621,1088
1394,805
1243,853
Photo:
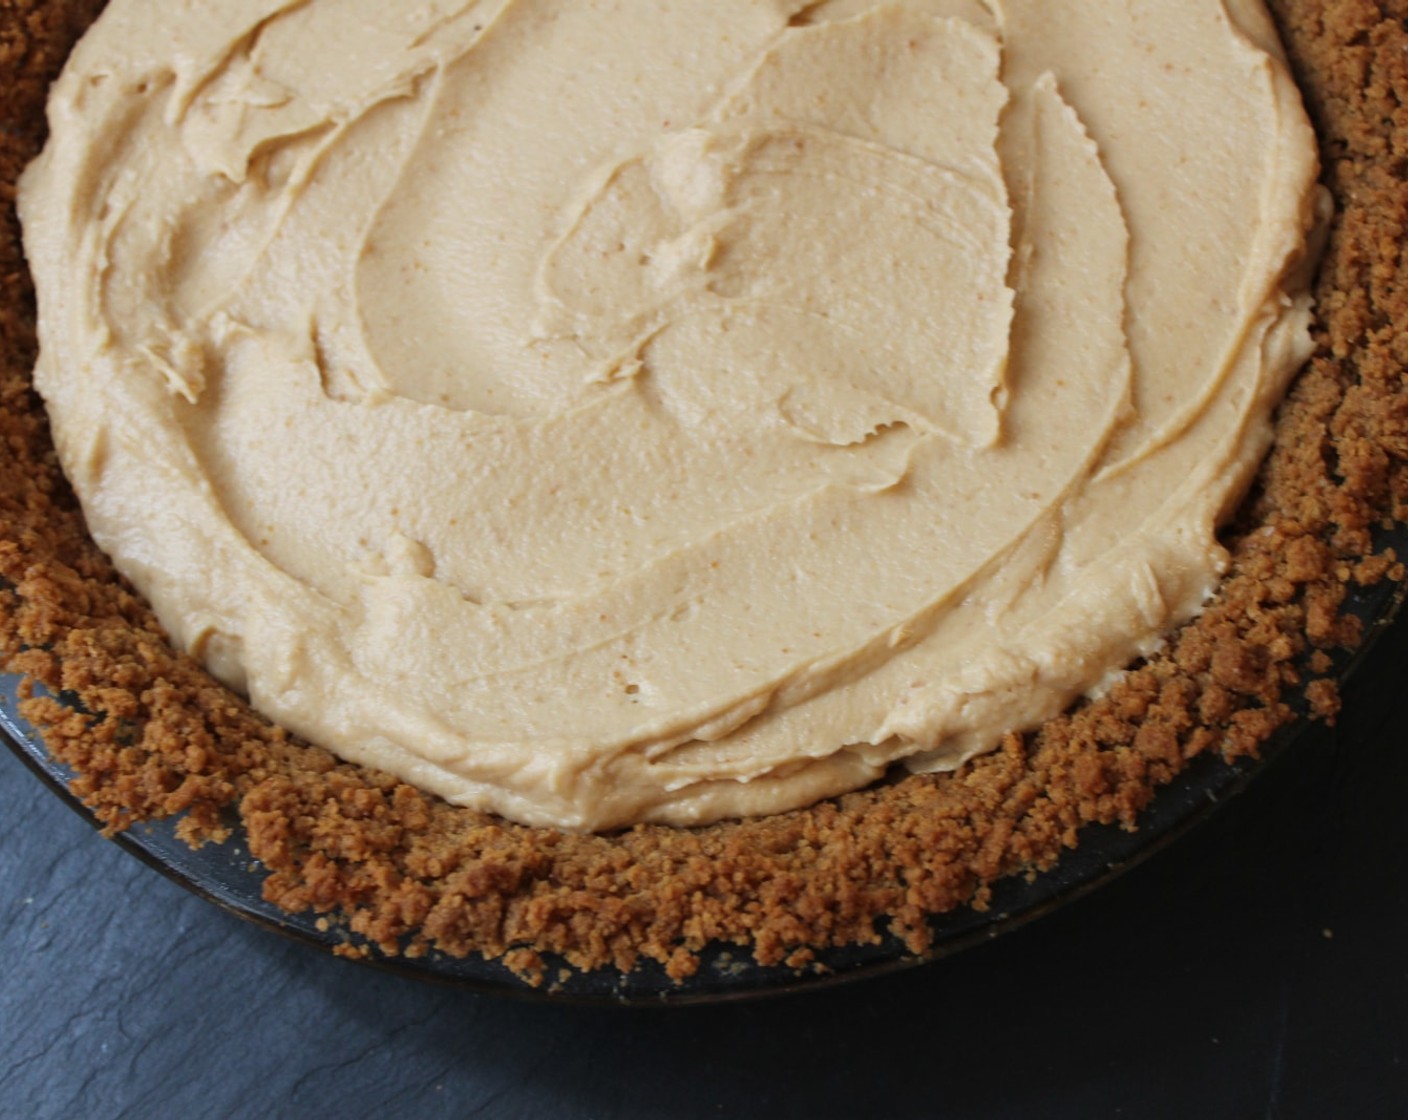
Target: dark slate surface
1259,968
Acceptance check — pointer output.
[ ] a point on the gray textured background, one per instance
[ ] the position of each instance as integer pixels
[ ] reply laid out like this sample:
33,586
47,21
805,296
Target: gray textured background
1203,985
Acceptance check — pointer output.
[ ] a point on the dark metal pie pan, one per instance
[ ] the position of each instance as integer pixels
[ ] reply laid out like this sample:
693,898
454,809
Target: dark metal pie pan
225,875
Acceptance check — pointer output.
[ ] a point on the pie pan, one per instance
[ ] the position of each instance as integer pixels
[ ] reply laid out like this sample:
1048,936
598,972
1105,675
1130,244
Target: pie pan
224,875
1326,547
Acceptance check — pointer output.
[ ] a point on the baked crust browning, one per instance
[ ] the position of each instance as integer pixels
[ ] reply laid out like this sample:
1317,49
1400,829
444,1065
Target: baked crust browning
150,734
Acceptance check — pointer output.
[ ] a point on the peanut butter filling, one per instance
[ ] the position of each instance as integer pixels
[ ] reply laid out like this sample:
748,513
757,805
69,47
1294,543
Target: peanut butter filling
624,411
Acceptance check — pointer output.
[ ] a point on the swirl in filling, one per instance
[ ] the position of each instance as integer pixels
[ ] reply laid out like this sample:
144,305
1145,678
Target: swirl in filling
628,410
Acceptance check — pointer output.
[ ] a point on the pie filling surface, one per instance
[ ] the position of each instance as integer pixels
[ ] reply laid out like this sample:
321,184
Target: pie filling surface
628,411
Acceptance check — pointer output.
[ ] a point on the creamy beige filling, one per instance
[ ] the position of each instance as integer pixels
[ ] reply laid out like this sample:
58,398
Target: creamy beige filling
628,410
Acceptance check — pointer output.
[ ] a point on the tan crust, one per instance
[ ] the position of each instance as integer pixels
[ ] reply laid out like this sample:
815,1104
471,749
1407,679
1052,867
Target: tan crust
410,873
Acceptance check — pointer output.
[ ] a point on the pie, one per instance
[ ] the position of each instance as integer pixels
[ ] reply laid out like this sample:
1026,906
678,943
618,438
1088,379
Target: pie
151,733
